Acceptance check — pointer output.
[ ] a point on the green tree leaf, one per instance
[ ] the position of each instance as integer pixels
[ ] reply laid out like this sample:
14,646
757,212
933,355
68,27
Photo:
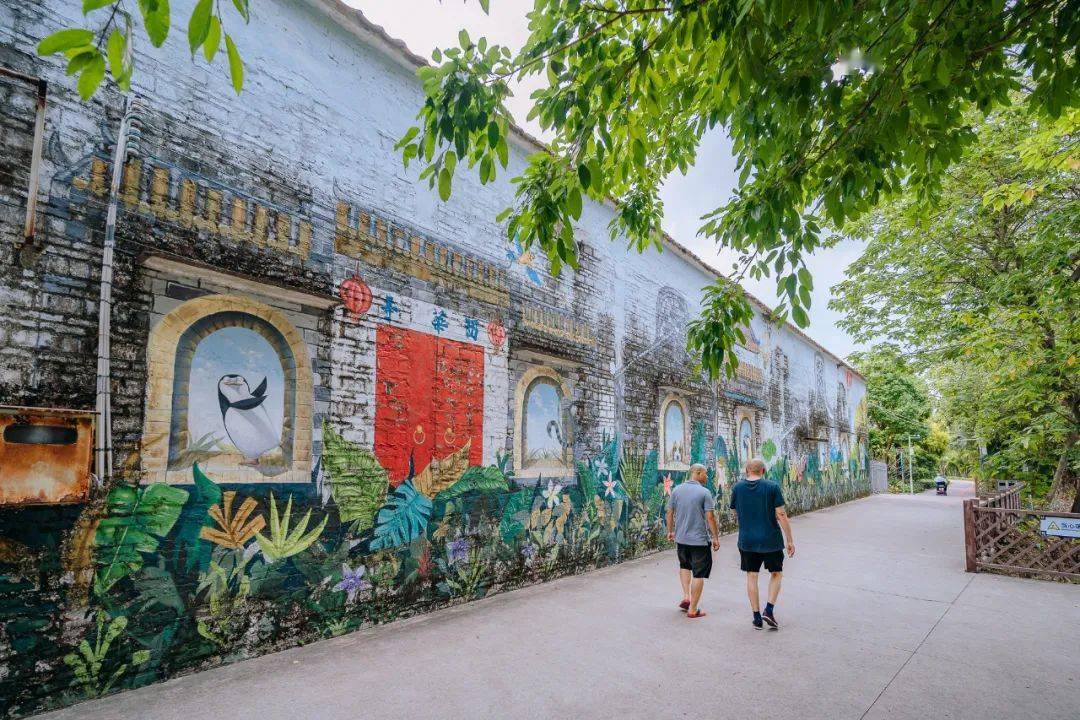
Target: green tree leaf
213,39
584,176
236,65
444,184
242,7
65,40
91,76
573,203
155,14
199,24
116,47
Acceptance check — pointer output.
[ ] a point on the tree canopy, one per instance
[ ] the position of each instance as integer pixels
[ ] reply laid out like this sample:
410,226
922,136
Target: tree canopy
831,107
980,288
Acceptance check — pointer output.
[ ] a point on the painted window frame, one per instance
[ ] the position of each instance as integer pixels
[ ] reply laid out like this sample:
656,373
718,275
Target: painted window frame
162,352
532,471
668,400
743,414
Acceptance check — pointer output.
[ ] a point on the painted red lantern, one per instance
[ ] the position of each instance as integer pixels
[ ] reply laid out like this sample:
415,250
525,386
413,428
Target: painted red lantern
496,334
355,294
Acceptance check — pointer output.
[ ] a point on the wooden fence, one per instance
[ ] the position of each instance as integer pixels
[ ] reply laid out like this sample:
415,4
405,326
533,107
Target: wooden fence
1000,536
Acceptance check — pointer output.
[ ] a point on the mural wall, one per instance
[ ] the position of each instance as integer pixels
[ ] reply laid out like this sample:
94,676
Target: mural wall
336,401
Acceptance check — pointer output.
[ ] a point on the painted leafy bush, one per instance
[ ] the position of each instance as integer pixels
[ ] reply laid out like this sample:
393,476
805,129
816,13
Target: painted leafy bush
441,474
135,521
408,510
476,479
189,545
357,482
403,519
88,663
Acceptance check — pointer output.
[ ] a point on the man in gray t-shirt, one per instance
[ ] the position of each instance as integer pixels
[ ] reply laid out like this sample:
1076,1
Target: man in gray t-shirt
691,525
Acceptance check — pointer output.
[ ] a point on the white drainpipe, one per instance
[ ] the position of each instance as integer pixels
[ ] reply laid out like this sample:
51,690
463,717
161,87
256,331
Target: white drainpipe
103,447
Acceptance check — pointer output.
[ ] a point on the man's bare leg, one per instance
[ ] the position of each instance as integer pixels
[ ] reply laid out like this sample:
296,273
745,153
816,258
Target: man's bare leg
774,586
696,586
752,591
684,578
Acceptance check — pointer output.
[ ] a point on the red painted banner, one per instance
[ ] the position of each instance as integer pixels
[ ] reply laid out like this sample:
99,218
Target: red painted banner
429,399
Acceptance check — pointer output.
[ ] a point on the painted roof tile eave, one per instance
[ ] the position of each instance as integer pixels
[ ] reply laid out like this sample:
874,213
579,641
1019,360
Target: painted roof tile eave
353,19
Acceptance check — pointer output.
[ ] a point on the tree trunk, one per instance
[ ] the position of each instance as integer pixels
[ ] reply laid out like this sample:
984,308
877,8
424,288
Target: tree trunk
1064,477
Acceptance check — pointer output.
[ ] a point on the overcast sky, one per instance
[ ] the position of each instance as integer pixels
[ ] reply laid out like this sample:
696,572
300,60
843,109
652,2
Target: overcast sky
426,24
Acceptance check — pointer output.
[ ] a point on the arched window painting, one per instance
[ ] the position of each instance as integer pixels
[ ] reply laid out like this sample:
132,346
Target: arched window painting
674,433
236,400
543,431
746,439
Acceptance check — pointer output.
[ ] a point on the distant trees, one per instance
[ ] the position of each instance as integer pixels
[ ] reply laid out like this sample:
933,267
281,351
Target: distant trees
900,410
979,287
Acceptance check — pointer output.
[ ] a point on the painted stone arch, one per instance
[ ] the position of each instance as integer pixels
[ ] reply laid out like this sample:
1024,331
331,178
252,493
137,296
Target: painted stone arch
672,316
255,429
674,425
538,387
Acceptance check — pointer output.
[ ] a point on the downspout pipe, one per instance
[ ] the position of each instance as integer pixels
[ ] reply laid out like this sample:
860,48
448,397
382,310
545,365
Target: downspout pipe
35,155
103,446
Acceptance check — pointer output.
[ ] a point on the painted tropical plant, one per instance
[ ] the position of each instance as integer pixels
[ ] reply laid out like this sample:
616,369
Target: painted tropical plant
450,531
88,664
284,541
234,529
357,482
136,519
402,519
227,586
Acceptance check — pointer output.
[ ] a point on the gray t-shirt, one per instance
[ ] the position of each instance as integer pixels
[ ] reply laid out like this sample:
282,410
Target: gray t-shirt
691,501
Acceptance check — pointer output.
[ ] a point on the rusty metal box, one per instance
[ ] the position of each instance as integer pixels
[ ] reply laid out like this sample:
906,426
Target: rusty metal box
45,455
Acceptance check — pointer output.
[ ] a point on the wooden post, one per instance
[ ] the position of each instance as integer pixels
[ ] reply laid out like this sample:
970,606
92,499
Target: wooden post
970,548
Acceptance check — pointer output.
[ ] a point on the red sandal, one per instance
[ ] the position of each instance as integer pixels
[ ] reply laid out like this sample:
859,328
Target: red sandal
694,616
684,605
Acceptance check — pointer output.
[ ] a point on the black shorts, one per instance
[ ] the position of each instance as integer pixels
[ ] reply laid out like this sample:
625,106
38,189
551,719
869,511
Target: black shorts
751,561
695,558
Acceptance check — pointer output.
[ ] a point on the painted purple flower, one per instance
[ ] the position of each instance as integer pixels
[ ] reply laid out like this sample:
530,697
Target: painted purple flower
528,551
457,550
352,581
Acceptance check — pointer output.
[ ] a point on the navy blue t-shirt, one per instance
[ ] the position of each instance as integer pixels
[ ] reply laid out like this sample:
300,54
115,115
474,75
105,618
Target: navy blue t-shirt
755,502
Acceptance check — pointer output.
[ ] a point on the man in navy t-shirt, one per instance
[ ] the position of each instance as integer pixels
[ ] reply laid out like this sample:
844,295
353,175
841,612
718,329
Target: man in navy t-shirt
759,505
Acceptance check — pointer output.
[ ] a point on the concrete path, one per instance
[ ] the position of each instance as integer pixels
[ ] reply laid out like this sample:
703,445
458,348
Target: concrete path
879,621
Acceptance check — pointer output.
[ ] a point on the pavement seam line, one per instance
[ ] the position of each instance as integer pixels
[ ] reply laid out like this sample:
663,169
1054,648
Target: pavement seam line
909,657
876,592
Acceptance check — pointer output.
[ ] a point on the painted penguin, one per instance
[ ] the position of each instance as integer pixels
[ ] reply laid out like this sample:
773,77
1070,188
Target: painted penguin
245,419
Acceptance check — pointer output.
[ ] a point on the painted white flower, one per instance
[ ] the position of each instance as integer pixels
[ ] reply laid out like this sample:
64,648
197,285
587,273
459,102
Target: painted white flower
602,468
551,494
609,488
